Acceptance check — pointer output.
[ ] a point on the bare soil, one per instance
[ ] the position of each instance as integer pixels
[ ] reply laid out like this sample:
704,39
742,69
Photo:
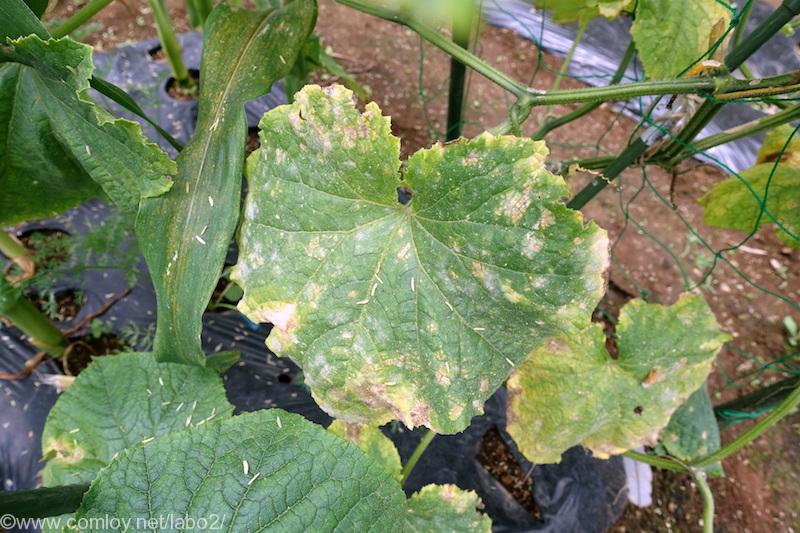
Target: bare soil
182,93
83,349
760,492
66,308
497,459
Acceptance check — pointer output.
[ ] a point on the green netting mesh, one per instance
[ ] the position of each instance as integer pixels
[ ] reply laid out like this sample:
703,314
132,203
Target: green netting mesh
697,260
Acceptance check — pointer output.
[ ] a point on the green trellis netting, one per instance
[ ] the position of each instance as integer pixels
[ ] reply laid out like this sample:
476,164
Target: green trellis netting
744,365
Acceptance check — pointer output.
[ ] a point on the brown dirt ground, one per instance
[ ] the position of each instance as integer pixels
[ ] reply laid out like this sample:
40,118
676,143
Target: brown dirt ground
761,491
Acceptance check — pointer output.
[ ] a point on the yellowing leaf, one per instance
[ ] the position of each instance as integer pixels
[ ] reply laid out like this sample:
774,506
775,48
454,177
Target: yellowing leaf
572,392
373,442
671,35
445,509
415,312
775,144
732,204
583,10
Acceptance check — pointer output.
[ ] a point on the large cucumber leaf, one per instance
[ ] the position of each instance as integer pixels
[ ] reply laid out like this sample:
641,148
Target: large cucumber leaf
417,312
565,11
572,392
445,509
60,147
671,35
38,176
732,204
185,234
268,470
693,432
118,402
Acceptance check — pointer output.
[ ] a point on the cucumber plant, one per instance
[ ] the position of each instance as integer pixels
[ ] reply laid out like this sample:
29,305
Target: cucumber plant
406,290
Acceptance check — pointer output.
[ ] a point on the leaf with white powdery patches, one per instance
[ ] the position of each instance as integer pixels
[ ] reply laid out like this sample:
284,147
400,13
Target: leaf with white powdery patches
263,471
572,392
120,401
414,312
445,508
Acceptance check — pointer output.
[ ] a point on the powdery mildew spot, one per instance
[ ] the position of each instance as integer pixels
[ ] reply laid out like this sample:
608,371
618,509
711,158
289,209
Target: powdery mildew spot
514,204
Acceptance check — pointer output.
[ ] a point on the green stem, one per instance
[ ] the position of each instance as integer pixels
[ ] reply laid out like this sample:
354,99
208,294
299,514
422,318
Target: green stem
462,29
418,451
79,18
744,130
720,88
42,331
627,158
762,399
170,45
552,124
755,40
787,406
568,59
653,460
738,132
708,500
706,112
43,502
784,408
16,252
743,18
119,96
443,43
528,98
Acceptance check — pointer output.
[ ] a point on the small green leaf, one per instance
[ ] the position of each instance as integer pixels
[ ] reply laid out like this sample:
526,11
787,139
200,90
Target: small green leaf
417,312
233,293
221,361
445,509
268,470
686,25
185,234
572,392
120,401
373,442
693,432
731,204
565,11
60,147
